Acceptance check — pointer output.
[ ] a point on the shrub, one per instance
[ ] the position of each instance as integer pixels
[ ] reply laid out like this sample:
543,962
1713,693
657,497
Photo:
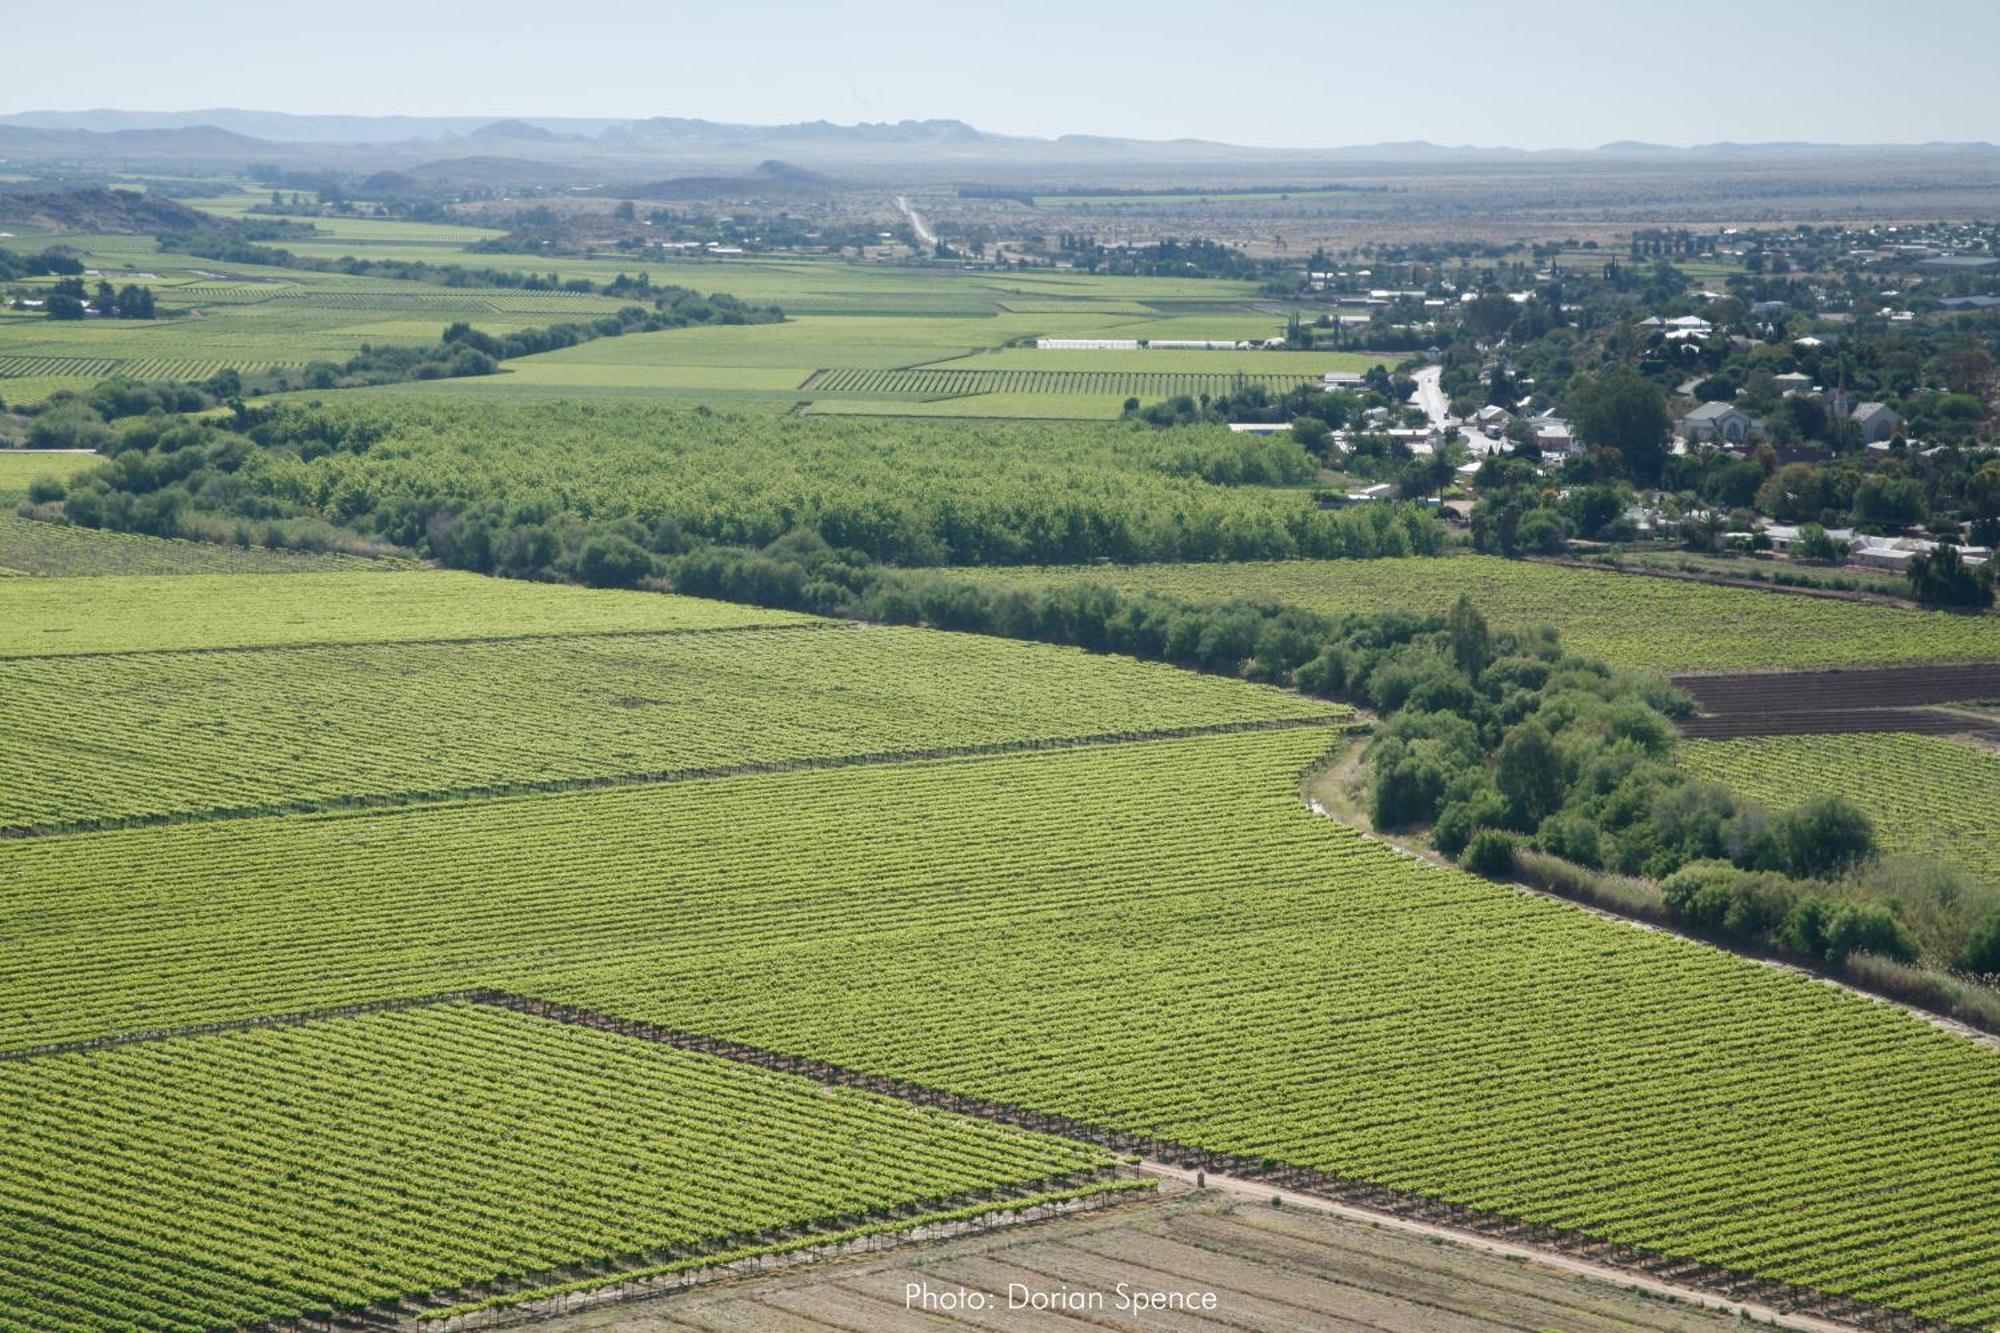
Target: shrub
1824,836
1468,808
1981,953
43,490
1490,853
1868,928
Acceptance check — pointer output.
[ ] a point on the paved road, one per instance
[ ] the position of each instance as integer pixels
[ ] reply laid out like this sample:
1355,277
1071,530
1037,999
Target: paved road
924,234
1430,396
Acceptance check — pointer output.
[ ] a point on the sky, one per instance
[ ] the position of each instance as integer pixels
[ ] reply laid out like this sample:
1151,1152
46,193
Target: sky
1283,73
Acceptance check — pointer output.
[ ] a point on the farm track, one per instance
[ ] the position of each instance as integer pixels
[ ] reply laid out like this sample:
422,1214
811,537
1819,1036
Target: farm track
502,790
1843,701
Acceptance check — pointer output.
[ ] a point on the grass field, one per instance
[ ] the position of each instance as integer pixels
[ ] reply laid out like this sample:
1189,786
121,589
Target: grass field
39,617
20,467
132,735
1927,796
1626,620
226,1180
1179,949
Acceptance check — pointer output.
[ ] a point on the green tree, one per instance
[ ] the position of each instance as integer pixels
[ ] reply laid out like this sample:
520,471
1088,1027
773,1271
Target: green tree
1940,577
1823,837
1625,411
1529,773
1471,641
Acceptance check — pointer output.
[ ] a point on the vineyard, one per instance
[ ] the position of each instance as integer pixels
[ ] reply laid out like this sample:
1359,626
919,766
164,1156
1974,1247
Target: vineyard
1179,950
61,616
135,368
927,383
28,546
184,734
1928,797
225,1180
1663,624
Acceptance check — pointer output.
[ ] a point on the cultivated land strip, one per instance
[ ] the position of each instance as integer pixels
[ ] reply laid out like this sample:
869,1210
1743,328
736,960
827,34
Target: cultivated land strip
496,791
1879,699
458,641
325,1169
174,737
147,613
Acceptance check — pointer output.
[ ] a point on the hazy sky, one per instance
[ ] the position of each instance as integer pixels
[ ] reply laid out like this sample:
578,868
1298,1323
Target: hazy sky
1529,73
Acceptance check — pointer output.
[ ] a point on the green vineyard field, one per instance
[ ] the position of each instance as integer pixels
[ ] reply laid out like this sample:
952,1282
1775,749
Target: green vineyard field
1927,796
1154,937
1627,620
130,735
61,550
39,617
1118,384
226,1180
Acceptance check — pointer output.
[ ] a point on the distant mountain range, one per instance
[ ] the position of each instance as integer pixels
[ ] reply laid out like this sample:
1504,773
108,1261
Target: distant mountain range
279,127
582,153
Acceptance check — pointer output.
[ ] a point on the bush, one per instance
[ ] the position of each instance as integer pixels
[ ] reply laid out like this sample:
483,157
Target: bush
44,490
1542,531
1574,837
1981,954
1868,928
1823,837
1490,853
1719,899
612,561
1468,808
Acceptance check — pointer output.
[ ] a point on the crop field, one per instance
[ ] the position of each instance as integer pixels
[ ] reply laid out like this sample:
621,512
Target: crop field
28,546
845,316
940,383
225,1180
1180,949
1927,796
187,734
1661,624
39,617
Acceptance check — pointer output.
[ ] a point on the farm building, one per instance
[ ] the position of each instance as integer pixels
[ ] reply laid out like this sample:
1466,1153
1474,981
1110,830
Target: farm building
1717,421
1897,553
1197,345
1087,344
1341,379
